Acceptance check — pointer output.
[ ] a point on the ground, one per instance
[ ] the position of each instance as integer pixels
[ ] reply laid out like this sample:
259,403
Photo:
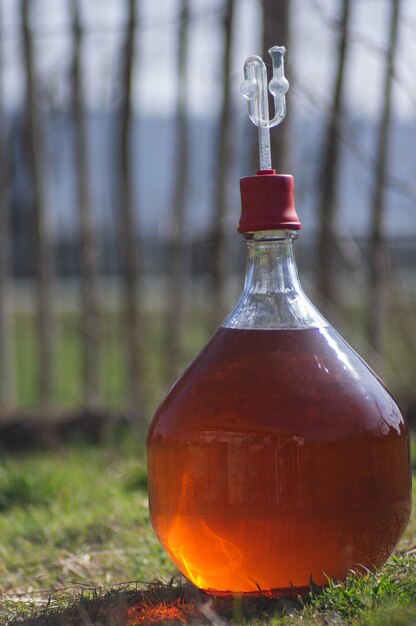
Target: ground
75,537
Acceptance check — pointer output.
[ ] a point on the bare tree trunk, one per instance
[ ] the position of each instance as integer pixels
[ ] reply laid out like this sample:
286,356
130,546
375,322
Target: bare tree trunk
7,369
175,290
378,256
89,295
43,260
328,178
276,32
128,242
223,163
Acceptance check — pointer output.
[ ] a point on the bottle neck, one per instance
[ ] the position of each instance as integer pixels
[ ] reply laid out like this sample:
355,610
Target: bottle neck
271,267
272,297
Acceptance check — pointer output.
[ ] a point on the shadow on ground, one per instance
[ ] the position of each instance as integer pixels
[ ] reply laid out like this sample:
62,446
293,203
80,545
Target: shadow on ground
159,604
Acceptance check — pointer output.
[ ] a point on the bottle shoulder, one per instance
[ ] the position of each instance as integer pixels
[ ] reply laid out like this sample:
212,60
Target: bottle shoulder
287,309
307,382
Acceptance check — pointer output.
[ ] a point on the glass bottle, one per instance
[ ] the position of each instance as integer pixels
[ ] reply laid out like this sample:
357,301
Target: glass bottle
278,456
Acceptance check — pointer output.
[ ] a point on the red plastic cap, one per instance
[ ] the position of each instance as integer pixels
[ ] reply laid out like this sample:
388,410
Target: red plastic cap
268,202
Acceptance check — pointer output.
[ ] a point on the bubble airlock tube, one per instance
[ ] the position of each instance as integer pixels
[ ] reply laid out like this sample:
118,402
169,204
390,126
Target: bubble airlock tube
254,89
267,199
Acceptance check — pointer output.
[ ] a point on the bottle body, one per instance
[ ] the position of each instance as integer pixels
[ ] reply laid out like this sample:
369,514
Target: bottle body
278,456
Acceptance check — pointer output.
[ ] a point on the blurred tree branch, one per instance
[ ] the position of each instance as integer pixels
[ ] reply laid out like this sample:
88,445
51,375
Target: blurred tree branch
43,253
89,295
378,250
176,269
127,223
223,163
328,177
277,32
7,363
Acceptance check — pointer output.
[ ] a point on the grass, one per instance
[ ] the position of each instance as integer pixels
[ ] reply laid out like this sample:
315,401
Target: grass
112,361
74,524
76,516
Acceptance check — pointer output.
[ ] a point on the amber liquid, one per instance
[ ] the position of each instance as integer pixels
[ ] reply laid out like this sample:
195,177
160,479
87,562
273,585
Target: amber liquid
278,456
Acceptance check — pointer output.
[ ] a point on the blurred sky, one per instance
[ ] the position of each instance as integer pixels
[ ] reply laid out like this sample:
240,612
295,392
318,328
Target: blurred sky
312,52
311,56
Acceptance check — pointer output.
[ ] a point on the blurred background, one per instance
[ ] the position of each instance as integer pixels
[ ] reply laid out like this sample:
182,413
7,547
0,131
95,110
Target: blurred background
123,135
